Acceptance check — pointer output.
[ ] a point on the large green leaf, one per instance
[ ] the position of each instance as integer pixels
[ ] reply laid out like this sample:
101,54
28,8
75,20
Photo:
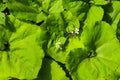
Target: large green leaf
99,58
22,56
113,16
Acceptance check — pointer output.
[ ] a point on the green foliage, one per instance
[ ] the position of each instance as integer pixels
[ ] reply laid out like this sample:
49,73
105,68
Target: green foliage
59,39
52,70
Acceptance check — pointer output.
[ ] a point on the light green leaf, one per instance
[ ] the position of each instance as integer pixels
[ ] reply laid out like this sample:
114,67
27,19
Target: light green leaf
61,51
99,58
51,71
29,11
115,15
112,13
76,7
23,57
56,7
116,10
94,14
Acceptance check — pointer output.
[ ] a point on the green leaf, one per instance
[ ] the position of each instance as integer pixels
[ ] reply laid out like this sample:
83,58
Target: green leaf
99,58
94,14
60,51
50,6
112,16
76,7
112,13
56,7
26,11
22,58
116,10
51,71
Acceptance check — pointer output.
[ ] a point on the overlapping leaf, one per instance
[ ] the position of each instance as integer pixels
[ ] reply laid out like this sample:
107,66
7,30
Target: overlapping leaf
61,26
22,57
99,58
81,41
27,10
112,13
